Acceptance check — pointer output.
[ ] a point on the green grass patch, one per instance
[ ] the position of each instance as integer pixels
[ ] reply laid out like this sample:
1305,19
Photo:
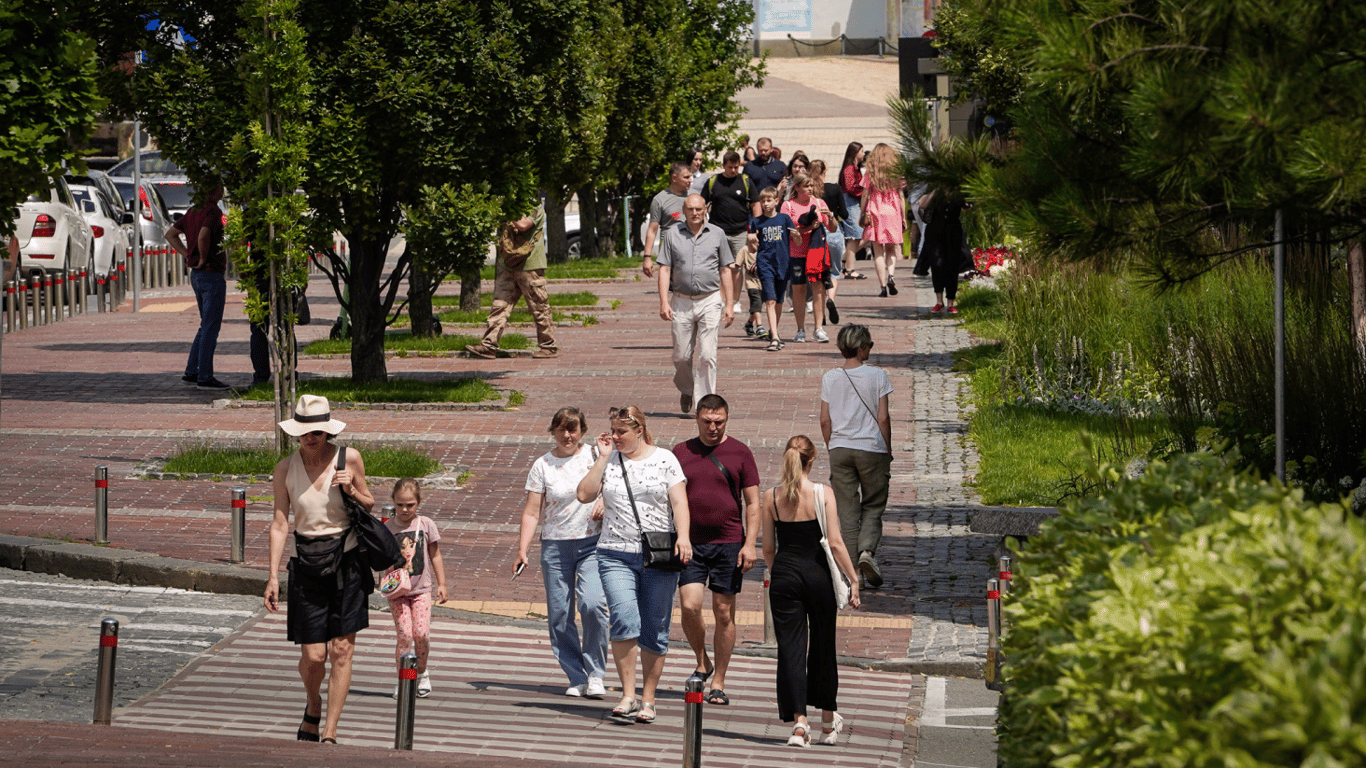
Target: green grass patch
982,312
403,341
479,317
380,460
581,269
342,390
562,299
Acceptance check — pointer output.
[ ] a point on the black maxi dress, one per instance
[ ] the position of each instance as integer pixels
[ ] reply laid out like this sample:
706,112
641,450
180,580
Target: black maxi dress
802,598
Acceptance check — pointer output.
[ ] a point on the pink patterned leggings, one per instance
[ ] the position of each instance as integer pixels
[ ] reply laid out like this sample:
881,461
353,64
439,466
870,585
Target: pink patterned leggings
412,623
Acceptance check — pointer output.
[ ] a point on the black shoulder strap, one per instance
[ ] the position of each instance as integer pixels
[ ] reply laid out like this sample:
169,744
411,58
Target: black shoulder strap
341,457
626,480
730,482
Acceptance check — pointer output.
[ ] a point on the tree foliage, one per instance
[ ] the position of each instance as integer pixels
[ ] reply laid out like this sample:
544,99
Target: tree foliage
48,97
1159,129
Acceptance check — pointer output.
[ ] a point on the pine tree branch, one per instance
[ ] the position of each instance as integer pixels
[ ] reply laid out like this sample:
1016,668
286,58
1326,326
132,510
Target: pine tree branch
1154,48
1098,22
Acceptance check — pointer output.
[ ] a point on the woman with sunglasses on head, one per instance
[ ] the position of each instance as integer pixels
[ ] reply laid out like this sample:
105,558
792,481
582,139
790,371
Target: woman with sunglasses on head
642,490
328,583
569,560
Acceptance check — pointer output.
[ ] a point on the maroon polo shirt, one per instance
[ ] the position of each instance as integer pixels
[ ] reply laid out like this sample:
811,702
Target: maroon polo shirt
711,506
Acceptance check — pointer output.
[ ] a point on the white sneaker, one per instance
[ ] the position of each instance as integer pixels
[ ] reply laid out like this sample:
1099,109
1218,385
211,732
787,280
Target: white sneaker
424,685
595,689
575,691
821,335
738,308
809,308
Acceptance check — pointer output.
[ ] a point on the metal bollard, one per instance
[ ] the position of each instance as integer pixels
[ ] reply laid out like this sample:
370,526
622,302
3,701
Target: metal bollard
22,290
386,512
123,283
104,677
59,307
770,636
76,287
992,669
11,298
101,504
407,701
239,526
35,293
692,723
1004,574
49,300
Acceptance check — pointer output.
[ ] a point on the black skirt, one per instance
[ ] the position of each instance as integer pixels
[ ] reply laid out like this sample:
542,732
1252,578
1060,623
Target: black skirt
318,609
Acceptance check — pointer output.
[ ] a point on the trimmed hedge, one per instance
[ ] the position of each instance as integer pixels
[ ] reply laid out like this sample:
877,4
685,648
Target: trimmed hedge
1194,616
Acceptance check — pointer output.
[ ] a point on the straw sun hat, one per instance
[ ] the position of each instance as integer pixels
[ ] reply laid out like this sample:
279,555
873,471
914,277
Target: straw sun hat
312,413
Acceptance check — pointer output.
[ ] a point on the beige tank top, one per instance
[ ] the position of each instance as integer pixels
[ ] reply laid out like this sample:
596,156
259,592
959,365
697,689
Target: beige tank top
317,506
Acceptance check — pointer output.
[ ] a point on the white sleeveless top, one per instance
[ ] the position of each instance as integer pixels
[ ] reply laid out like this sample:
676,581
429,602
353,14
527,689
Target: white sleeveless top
317,506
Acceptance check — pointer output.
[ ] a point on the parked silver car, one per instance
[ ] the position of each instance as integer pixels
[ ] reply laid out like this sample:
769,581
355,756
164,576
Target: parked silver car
53,235
168,177
156,219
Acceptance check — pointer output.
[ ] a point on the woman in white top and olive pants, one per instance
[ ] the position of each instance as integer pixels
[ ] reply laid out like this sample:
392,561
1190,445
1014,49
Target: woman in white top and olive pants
856,423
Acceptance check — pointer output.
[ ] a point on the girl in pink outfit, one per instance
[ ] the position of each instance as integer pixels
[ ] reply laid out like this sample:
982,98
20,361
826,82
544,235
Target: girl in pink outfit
885,203
418,539
808,255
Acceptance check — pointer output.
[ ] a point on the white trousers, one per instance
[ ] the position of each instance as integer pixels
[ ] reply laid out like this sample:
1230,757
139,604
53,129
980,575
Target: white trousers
696,327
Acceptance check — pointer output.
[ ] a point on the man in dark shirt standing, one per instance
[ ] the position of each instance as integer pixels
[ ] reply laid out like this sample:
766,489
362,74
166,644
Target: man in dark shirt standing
721,475
731,197
202,226
765,170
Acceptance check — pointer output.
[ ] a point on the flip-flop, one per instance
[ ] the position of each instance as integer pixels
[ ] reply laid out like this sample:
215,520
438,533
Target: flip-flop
717,696
855,275
309,720
329,740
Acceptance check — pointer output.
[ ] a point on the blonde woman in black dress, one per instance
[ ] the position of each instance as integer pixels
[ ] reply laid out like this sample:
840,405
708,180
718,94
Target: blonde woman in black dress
802,594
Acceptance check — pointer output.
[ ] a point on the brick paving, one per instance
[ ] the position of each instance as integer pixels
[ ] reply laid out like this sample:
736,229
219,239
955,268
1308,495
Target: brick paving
105,389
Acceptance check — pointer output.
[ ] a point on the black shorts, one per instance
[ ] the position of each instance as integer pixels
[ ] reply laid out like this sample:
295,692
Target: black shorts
318,611
714,563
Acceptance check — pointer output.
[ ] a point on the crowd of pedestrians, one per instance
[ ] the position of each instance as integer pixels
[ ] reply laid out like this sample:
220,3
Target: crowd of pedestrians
757,230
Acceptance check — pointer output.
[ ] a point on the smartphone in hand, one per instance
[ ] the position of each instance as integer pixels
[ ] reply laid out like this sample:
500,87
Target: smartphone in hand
518,572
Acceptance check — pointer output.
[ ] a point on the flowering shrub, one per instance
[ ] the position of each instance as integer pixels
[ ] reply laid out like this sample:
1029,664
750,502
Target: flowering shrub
994,261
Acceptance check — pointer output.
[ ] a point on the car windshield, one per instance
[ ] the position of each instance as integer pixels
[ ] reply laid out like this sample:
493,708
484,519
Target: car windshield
176,194
153,164
125,189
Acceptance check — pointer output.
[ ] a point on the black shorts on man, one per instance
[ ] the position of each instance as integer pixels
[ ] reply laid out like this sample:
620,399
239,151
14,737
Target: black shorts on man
716,566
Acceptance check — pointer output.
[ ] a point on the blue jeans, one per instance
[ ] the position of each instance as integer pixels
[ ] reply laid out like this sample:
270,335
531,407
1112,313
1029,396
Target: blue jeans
210,293
849,227
641,600
570,570
835,242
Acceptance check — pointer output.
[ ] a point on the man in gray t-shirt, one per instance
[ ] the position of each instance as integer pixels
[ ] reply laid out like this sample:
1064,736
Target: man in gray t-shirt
666,210
695,283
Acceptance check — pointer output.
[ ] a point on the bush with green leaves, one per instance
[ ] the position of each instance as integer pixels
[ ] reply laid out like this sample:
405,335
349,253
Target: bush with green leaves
1194,616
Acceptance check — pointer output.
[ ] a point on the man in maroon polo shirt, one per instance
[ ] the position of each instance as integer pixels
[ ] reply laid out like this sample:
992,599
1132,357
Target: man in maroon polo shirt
723,536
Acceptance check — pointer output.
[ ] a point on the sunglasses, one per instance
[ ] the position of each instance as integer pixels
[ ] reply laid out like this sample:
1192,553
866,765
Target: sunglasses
317,432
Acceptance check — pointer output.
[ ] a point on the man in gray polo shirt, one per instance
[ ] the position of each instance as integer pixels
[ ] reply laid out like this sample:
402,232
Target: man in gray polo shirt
695,298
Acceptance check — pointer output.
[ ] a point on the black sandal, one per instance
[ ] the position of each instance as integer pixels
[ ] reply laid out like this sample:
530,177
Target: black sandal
309,720
329,740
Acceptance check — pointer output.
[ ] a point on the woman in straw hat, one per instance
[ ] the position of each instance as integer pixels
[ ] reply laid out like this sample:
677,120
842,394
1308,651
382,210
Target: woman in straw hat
327,583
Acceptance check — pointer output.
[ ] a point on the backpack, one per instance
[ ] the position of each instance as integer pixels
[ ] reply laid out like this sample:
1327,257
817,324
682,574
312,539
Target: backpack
711,180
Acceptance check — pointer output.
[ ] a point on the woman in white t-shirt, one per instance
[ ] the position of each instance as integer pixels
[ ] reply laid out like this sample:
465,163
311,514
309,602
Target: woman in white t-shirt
640,598
569,563
857,425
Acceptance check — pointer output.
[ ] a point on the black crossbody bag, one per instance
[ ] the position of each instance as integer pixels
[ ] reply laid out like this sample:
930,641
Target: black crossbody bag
656,547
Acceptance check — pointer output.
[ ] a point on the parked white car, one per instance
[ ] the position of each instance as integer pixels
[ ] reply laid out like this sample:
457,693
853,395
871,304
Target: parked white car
53,235
111,239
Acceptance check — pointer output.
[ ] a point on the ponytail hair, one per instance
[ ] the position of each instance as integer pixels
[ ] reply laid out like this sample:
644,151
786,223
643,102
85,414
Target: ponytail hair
797,460
632,416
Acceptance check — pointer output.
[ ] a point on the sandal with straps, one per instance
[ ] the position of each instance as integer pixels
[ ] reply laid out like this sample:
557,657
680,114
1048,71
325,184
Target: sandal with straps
803,740
308,720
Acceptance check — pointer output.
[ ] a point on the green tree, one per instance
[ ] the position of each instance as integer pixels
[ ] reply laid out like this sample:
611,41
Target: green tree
405,95
447,232
48,97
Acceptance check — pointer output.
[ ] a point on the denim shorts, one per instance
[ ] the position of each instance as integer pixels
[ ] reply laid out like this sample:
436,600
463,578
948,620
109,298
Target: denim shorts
715,565
640,600
850,227
773,284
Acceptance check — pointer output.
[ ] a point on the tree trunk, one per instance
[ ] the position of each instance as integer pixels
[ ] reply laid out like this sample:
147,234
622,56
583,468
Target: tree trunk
283,357
1356,292
469,290
588,222
557,249
609,228
367,311
421,286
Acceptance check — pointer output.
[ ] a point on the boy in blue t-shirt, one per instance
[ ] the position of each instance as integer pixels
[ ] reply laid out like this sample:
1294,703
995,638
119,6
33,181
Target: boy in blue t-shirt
772,231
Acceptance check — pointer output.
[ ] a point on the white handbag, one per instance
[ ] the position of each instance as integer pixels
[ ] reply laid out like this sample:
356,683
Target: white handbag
836,575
